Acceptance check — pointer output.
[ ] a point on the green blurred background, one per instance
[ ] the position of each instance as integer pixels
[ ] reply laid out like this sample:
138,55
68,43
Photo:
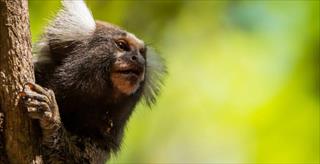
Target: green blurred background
243,83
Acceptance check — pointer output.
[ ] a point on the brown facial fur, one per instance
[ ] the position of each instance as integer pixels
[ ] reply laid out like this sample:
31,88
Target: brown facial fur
125,83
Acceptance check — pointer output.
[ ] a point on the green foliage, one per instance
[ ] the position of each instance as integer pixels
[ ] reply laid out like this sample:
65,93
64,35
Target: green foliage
243,82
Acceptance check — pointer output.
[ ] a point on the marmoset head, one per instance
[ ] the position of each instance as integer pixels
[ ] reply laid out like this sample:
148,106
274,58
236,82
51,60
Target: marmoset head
96,57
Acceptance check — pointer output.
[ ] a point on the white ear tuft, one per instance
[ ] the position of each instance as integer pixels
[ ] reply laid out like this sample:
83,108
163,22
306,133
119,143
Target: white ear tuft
156,70
73,22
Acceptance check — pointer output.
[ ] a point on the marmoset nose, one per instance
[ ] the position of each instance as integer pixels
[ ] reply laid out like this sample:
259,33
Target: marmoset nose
135,58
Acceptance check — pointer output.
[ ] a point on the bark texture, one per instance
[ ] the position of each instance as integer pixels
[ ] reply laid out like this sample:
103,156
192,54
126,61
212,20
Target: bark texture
19,135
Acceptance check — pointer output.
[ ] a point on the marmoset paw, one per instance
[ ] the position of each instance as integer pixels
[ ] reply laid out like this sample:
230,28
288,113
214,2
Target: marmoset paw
40,104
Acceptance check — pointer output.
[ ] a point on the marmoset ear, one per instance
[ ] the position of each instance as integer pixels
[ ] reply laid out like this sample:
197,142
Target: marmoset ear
73,24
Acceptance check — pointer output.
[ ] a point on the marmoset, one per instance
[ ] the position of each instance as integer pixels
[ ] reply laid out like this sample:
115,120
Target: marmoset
89,77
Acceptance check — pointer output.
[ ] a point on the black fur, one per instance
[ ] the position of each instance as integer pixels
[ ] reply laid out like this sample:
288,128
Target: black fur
92,111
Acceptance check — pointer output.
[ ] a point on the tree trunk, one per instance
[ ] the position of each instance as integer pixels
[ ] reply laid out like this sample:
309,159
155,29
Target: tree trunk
20,134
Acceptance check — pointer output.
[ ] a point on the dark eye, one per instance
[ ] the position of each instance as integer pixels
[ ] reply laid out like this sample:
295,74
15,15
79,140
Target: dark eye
123,45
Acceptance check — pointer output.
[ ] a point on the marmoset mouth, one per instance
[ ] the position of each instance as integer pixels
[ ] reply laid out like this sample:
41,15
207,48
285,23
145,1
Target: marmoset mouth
127,77
129,70
127,74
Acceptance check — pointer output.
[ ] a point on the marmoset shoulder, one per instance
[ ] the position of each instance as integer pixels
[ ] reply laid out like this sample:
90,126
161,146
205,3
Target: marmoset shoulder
89,77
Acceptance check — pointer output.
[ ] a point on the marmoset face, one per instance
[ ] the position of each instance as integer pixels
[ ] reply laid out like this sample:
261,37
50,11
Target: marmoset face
129,53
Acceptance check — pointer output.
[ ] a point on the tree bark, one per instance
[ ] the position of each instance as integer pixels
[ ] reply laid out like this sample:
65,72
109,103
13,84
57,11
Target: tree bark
20,134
